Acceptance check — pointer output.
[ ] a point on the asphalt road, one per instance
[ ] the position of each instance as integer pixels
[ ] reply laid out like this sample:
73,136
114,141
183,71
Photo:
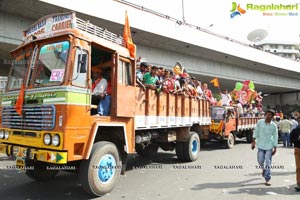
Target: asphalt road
218,174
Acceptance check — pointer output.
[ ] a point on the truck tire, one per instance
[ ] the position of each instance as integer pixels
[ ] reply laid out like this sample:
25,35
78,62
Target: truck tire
189,151
249,136
39,171
149,151
230,141
100,173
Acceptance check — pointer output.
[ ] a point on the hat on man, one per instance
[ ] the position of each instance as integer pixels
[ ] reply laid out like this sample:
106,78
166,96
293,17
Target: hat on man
270,111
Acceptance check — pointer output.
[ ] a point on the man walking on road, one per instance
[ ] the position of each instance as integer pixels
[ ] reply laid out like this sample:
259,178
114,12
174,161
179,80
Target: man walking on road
285,127
266,138
295,139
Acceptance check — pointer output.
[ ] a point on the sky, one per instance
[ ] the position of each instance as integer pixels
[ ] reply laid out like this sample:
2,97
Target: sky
214,15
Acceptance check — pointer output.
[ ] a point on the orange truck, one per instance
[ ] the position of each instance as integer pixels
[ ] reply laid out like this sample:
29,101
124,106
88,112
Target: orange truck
227,124
56,129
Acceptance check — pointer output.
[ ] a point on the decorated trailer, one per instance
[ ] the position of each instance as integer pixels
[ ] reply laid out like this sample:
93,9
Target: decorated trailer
47,121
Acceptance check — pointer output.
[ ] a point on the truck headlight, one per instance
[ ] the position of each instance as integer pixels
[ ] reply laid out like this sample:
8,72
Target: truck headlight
6,134
56,140
1,134
47,139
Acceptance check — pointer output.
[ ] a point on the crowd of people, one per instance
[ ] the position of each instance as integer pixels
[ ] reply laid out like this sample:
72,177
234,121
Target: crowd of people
285,126
175,81
178,81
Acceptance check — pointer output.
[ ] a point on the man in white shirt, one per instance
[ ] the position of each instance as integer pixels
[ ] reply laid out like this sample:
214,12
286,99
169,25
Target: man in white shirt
240,108
285,127
99,88
226,98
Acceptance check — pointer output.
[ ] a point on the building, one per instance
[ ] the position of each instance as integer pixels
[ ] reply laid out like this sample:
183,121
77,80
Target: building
284,49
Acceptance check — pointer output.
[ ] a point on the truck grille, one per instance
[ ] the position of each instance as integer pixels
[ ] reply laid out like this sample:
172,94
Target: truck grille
33,117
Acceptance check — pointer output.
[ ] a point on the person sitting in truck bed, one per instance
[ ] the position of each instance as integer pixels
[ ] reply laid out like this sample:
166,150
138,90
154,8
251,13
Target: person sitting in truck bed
150,79
141,70
226,98
199,89
240,108
168,84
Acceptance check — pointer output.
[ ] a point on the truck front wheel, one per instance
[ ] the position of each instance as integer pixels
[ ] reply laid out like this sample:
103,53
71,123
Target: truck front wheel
189,151
39,171
230,141
100,173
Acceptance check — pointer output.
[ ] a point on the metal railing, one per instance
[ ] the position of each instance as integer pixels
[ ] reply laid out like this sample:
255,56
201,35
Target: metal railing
86,26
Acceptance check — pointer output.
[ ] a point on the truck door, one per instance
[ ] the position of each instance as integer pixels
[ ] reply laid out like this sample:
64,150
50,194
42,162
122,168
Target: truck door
125,84
230,121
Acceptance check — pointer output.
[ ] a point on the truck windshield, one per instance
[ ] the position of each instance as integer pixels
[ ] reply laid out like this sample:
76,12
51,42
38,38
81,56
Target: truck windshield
217,113
51,64
18,71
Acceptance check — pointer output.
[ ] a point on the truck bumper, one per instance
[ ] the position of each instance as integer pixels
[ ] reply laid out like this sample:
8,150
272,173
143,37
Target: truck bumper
49,156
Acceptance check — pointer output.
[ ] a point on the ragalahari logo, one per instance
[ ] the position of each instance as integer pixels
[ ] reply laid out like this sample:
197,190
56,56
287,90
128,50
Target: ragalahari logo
236,10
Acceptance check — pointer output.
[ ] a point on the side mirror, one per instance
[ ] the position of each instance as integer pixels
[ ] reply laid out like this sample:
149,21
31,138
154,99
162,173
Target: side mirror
81,64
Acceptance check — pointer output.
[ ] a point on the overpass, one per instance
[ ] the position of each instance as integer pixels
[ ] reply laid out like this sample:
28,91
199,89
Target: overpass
163,40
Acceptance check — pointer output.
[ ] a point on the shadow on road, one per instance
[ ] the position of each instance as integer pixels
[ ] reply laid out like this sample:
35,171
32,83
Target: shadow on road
219,145
244,187
64,186
163,157
160,158
6,158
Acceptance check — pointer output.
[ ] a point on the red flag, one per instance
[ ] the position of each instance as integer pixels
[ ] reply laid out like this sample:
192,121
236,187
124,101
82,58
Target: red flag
215,81
20,100
127,37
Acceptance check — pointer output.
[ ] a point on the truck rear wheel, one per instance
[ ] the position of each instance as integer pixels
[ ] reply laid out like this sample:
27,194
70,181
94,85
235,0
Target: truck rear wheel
100,173
39,171
230,141
189,151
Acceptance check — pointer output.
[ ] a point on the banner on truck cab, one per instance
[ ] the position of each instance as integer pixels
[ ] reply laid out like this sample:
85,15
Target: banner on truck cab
49,24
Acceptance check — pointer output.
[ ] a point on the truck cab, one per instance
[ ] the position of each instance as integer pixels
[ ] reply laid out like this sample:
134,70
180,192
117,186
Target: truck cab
223,125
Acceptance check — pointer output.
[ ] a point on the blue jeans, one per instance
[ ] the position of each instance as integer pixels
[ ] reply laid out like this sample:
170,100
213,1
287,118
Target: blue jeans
285,139
104,106
264,158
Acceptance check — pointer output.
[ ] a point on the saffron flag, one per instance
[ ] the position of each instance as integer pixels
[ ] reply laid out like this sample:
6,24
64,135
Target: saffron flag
20,100
215,81
127,37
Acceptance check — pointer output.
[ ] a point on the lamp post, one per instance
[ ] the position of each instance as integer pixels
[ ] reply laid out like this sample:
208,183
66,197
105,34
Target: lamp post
182,5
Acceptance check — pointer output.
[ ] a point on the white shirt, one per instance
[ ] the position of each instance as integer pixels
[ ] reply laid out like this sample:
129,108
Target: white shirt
226,98
199,90
240,109
101,88
295,124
